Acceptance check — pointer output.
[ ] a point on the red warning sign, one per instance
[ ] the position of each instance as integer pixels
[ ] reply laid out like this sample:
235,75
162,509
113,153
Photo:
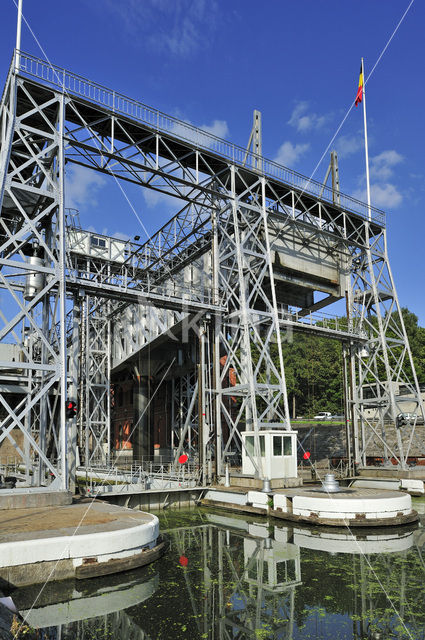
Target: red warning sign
306,455
183,458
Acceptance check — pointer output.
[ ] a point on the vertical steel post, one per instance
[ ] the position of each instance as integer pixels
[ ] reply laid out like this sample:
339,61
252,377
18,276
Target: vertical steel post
62,293
275,317
73,391
18,37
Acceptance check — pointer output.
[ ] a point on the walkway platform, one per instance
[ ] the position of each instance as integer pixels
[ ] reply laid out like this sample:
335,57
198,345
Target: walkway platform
81,540
353,507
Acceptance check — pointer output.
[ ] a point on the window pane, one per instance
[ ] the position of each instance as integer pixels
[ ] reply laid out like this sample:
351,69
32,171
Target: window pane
265,571
250,445
287,446
291,571
262,446
277,445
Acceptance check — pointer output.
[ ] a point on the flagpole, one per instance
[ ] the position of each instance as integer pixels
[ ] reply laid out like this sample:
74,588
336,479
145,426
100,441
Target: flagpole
366,146
18,38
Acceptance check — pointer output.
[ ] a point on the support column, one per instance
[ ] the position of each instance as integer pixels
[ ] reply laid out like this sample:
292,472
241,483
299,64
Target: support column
141,434
73,372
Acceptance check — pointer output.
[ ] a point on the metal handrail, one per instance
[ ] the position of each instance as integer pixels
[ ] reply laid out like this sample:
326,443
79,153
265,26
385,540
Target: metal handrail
77,85
333,323
146,473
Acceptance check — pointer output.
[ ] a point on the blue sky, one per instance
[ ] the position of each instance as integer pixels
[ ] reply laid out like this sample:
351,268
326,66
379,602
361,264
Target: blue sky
211,63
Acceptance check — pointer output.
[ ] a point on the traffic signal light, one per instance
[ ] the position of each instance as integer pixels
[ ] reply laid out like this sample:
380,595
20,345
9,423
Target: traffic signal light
400,420
71,409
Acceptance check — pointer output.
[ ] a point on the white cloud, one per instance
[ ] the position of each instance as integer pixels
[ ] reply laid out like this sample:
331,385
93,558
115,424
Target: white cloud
304,121
384,195
382,165
154,198
218,128
180,27
347,145
105,232
199,135
289,154
82,186
121,236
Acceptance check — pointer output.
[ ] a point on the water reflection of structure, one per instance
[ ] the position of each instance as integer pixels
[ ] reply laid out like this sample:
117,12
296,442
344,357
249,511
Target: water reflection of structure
232,578
81,609
264,591
267,590
255,583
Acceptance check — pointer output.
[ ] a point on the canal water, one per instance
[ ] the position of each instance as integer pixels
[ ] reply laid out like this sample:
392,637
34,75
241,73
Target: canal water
228,577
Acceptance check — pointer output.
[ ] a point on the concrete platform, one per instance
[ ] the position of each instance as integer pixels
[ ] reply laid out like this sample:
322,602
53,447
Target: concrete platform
413,486
353,507
393,472
78,540
321,538
240,480
33,497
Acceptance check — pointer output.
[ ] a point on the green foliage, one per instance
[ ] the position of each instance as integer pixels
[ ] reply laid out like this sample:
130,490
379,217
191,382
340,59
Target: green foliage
313,370
313,366
416,335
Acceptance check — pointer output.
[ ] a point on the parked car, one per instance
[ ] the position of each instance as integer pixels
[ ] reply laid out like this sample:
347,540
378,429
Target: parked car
408,417
412,417
323,415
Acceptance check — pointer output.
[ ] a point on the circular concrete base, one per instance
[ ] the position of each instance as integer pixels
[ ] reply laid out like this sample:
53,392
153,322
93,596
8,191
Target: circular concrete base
359,507
354,507
81,540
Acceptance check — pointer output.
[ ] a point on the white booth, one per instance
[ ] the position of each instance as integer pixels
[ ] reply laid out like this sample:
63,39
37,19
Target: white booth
271,564
277,451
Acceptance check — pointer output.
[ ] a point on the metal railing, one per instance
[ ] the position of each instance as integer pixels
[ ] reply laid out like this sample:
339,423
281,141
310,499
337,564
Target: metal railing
317,470
156,120
324,321
143,477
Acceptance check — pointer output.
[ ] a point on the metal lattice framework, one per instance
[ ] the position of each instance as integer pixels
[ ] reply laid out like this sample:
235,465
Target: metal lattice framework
96,382
236,267
32,276
384,367
264,573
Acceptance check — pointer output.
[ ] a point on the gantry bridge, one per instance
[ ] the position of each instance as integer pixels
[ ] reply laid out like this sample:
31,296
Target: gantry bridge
256,250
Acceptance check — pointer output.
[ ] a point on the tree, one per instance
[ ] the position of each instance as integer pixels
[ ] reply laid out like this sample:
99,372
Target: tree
313,367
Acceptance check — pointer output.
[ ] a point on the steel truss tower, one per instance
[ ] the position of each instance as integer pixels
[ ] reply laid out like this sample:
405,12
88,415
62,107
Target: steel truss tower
254,252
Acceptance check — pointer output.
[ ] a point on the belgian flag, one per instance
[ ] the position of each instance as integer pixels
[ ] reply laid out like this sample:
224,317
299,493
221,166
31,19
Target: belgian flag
359,95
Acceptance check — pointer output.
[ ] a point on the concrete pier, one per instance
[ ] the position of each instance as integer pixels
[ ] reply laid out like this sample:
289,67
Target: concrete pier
78,540
354,507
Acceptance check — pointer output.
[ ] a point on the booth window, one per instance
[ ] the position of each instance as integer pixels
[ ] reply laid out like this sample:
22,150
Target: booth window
250,445
249,440
262,446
